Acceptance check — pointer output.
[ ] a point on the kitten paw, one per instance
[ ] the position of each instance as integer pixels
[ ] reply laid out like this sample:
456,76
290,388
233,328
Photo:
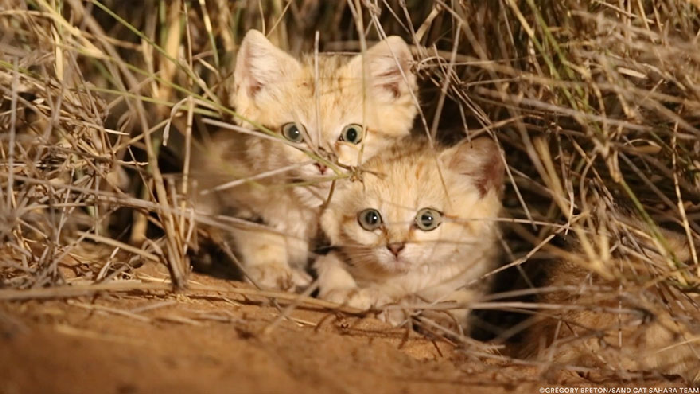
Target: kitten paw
362,299
395,317
365,299
445,322
301,279
272,277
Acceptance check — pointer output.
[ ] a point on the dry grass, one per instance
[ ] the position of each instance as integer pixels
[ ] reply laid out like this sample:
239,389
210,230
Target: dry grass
595,103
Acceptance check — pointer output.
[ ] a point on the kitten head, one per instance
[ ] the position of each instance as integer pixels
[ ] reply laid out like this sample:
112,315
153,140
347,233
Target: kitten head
322,106
415,207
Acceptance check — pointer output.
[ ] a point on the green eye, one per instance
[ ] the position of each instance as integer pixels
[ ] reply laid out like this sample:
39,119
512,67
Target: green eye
352,134
370,219
428,219
293,132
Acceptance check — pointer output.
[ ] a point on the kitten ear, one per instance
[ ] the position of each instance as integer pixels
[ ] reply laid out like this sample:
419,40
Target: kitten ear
260,64
388,62
480,160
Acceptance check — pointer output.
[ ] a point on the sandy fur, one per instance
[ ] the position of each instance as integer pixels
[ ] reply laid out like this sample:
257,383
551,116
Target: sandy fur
444,264
271,89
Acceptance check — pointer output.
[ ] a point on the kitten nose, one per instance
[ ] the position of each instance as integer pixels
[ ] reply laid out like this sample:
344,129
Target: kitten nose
321,168
395,247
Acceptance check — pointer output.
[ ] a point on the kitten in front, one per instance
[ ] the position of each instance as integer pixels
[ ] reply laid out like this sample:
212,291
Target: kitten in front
419,226
339,108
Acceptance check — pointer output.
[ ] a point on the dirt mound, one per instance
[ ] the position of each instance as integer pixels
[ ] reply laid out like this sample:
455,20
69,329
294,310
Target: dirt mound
146,343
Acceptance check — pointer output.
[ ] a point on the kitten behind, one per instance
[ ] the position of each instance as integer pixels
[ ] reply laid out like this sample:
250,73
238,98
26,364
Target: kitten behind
341,109
321,103
419,227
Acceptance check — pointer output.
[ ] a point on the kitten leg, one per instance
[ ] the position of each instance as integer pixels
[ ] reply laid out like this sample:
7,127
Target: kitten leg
453,320
337,285
264,256
395,317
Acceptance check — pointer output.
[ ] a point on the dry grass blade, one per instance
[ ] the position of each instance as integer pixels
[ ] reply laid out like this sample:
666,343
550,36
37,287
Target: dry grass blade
594,103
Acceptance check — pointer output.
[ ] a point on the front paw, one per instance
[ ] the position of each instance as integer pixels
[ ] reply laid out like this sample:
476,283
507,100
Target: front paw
445,322
362,299
273,277
395,317
301,279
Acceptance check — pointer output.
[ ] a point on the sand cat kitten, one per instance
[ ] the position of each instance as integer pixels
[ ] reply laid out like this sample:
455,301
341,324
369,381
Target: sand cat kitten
666,340
418,227
317,104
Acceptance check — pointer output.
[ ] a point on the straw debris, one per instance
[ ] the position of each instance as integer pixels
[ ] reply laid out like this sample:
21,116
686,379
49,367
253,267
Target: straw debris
595,104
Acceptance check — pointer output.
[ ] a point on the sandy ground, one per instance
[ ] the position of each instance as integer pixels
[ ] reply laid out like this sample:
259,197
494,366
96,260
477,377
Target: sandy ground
145,343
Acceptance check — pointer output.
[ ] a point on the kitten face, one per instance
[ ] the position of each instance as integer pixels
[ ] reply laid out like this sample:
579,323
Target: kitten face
405,216
322,107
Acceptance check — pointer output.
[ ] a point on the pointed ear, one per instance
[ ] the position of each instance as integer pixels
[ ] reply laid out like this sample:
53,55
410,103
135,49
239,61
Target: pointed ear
478,159
388,62
260,64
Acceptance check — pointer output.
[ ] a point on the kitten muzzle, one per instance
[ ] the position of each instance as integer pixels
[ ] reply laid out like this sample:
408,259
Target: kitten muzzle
396,247
322,168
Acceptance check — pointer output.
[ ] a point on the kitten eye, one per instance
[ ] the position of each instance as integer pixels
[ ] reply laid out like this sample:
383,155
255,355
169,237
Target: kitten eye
352,134
428,219
369,219
293,132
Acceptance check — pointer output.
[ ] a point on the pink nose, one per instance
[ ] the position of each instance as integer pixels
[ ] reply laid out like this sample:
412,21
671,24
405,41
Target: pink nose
395,247
321,168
